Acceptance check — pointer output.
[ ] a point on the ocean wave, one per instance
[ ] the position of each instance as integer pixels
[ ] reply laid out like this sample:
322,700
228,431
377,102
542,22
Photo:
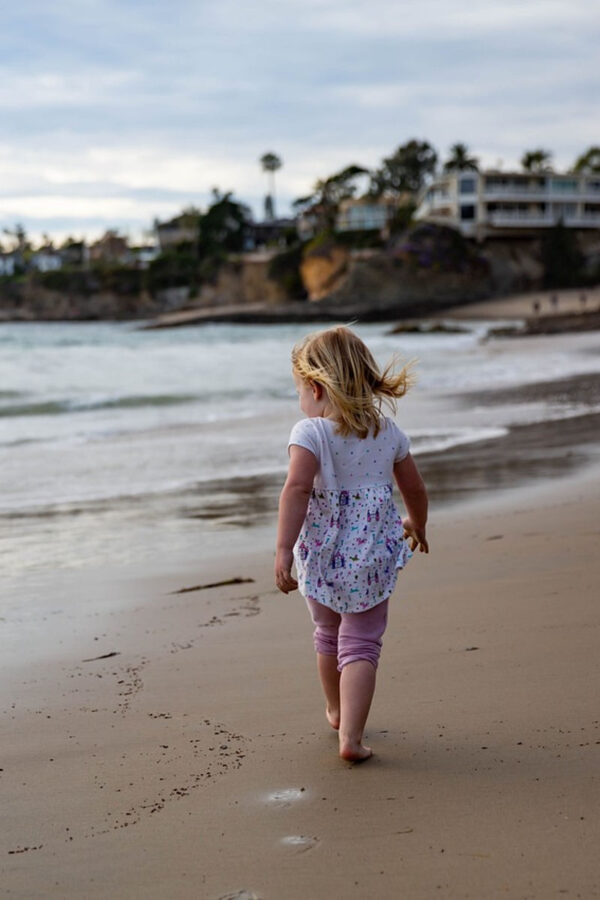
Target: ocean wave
438,441
67,406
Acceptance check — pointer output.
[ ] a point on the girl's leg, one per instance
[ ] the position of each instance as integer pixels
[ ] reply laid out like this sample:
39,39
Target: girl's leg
327,623
359,646
357,686
330,682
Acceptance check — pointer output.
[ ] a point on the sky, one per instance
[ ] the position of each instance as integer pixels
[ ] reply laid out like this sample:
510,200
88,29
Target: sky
115,113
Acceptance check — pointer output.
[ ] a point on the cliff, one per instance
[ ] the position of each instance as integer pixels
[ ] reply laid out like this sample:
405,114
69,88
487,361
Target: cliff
425,270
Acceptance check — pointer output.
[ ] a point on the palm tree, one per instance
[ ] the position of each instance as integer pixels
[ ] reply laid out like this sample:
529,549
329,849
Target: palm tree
270,163
589,162
459,160
537,161
329,192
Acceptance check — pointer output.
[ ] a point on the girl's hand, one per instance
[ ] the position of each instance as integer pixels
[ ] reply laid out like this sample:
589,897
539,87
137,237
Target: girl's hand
415,537
283,571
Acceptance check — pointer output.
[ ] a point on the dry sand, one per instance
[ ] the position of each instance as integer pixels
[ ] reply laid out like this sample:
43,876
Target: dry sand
197,763
522,306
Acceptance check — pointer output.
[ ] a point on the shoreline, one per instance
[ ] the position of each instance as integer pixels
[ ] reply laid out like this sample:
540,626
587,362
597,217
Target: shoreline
543,307
196,761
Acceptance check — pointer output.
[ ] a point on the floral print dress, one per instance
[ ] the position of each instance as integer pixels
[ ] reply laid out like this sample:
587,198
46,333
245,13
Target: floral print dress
351,543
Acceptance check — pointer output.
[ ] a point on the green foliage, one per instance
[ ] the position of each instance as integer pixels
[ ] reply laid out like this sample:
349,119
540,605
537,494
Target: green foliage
222,227
67,280
329,192
321,244
360,239
270,162
589,162
405,170
285,270
438,249
221,231
125,281
174,268
539,161
562,260
460,160
402,218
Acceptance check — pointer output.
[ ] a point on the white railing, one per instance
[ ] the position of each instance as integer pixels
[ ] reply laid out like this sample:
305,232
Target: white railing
521,217
582,193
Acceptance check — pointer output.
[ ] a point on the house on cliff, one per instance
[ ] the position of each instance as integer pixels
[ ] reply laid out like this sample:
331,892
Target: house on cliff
368,213
10,262
183,229
111,248
74,254
510,204
46,259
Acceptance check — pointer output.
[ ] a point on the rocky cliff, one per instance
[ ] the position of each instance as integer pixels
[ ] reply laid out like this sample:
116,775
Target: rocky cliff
427,269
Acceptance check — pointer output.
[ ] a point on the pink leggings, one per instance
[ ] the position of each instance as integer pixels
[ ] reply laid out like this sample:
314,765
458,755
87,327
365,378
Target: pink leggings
349,636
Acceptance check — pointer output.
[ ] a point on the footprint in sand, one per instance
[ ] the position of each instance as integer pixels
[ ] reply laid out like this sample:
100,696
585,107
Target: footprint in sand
285,797
240,895
300,843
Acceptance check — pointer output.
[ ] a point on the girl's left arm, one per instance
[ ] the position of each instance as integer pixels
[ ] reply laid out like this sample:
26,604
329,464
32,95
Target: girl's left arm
293,503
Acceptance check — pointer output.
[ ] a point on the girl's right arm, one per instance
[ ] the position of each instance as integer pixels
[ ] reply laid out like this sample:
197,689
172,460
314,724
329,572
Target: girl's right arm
414,495
293,503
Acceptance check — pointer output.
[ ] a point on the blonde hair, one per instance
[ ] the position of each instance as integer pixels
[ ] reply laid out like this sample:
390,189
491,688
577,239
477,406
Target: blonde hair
340,362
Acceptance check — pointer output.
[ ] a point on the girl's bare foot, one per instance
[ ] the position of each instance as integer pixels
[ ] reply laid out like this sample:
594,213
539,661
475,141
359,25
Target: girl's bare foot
333,717
354,752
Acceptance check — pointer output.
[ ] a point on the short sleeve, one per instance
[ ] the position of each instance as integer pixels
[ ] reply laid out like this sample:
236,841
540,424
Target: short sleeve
304,434
402,444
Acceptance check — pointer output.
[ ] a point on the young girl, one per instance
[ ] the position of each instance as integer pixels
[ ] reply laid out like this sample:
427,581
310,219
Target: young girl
338,521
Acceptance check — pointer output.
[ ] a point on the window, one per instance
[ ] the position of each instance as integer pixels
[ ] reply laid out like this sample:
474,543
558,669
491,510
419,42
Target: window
467,185
567,186
467,212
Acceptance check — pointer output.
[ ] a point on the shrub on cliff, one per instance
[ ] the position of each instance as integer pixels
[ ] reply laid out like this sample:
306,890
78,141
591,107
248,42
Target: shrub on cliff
67,281
174,268
436,248
285,270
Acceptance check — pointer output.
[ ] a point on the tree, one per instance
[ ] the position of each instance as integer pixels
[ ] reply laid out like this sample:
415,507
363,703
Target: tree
21,244
329,192
459,160
222,228
270,163
589,162
405,170
537,161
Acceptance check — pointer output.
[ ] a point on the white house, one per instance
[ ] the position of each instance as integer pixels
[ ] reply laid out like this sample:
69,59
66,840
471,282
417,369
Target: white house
483,204
143,255
8,263
46,259
364,214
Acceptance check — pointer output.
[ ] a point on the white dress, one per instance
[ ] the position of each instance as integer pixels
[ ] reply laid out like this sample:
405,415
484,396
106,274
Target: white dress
351,543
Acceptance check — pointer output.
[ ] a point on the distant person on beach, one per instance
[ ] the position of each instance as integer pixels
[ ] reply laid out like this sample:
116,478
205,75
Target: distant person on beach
338,521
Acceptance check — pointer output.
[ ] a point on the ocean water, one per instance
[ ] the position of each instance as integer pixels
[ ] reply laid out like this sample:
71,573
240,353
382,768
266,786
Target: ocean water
115,442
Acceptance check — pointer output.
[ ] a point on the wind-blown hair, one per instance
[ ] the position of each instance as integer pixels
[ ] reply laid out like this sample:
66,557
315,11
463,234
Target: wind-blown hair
343,365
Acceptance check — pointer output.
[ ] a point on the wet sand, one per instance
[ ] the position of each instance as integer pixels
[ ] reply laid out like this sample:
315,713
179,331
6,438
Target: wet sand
160,744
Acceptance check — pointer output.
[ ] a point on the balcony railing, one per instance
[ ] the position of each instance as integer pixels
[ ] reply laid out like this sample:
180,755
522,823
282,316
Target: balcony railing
543,220
541,193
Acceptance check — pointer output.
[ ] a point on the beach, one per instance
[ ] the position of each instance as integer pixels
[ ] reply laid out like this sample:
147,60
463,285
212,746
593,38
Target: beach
198,763
161,742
